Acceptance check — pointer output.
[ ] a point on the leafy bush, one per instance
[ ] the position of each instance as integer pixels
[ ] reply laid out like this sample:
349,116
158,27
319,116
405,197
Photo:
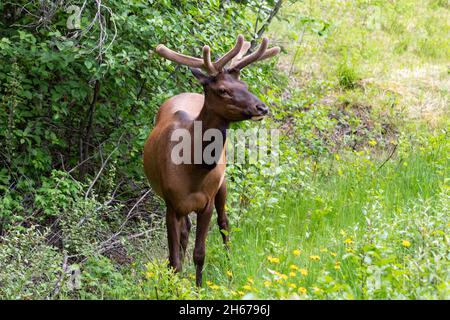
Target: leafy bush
30,268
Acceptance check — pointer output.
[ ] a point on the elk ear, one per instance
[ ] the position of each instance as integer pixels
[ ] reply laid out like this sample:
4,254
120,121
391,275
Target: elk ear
201,77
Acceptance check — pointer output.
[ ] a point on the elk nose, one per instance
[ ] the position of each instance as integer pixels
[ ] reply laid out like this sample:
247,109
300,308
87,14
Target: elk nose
261,107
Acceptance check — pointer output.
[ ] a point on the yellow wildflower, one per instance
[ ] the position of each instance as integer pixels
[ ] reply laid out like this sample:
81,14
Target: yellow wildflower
149,275
348,241
293,267
337,265
314,258
406,243
333,254
247,287
324,250
250,279
273,260
214,286
292,274
267,283
292,285
372,143
303,272
283,276
241,293
302,290
337,157
229,273
296,252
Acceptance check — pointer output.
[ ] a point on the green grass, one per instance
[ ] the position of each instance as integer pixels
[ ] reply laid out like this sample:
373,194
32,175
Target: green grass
312,220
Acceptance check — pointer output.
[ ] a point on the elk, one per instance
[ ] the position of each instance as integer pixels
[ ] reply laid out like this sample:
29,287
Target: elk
194,187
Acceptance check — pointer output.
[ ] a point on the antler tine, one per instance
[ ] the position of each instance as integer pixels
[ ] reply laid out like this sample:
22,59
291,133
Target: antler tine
222,62
179,58
270,53
207,64
245,47
254,56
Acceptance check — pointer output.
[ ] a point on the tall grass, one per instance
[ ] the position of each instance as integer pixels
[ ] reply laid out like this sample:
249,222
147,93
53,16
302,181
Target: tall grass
312,219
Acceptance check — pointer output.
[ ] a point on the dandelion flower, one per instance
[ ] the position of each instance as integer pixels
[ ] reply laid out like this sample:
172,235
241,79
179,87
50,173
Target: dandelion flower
302,290
229,273
372,143
273,260
406,243
296,252
303,272
293,267
314,258
333,254
292,274
267,283
292,285
348,241
214,286
247,287
149,275
250,279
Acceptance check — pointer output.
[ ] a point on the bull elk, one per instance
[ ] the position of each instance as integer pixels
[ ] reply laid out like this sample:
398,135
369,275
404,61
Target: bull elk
194,187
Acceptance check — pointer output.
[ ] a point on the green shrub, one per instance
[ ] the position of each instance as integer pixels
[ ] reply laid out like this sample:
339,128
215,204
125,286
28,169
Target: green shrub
30,268
347,75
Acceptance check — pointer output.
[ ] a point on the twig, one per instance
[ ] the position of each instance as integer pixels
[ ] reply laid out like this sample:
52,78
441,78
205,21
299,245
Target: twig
388,158
103,247
128,216
104,163
272,14
57,287
297,50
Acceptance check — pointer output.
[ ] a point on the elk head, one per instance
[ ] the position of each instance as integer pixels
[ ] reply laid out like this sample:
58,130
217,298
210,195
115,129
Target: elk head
225,94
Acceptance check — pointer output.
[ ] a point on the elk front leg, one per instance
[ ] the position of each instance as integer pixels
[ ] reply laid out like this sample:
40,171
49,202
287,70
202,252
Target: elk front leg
222,219
173,236
203,220
184,239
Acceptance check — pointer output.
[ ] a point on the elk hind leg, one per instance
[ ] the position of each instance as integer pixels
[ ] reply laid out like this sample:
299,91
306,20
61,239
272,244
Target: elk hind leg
184,235
222,219
173,223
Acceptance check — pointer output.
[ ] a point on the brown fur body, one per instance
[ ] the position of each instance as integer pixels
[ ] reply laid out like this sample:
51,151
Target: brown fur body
199,187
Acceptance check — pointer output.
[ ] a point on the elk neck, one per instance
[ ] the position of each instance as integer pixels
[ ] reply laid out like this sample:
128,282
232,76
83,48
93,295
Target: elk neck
211,120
